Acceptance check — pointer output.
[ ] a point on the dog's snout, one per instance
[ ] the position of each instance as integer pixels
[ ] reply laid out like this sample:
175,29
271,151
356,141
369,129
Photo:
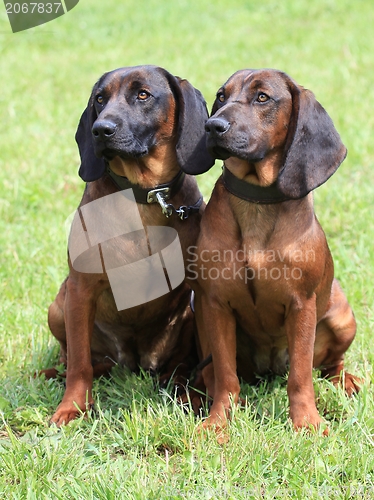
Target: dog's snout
104,129
217,126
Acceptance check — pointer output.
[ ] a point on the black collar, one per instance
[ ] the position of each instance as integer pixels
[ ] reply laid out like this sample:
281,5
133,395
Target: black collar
251,192
148,195
159,194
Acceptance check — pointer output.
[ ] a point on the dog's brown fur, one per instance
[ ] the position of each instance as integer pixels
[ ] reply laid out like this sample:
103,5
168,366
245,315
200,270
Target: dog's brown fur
289,308
153,114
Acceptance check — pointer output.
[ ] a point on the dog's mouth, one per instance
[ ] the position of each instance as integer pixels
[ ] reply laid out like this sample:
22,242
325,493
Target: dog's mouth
130,154
220,153
221,148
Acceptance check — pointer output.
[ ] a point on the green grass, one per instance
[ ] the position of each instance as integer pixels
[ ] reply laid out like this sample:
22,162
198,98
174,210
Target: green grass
140,444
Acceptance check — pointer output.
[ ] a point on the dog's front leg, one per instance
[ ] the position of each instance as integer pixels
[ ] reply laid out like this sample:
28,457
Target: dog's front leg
301,329
79,310
217,324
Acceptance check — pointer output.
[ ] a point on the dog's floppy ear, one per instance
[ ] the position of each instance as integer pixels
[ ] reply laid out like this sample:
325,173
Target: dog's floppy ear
314,149
192,154
92,167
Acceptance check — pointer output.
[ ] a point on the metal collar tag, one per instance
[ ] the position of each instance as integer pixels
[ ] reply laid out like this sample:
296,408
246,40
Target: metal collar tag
152,195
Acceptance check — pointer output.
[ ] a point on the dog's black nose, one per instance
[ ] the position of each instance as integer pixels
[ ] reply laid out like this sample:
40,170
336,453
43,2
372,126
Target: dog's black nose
103,129
217,126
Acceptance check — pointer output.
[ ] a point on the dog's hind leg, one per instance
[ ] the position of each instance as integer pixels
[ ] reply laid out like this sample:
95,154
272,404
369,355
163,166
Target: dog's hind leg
335,333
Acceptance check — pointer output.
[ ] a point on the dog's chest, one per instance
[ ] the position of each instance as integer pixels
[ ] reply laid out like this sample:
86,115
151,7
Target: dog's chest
256,293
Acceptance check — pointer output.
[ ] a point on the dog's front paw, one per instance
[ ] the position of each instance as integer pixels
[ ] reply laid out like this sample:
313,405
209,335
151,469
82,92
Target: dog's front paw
218,426
307,419
66,412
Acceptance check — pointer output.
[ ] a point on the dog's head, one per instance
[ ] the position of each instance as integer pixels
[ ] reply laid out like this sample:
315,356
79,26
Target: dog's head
269,129
133,112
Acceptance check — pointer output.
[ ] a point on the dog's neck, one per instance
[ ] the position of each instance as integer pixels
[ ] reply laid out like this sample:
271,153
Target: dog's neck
260,224
149,171
262,173
262,212
248,191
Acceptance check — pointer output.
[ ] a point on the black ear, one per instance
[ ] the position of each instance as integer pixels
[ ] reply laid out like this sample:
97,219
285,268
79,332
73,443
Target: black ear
314,150
91,168
192,154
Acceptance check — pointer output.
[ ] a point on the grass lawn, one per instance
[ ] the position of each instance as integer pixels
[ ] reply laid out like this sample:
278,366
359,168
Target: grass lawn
139,444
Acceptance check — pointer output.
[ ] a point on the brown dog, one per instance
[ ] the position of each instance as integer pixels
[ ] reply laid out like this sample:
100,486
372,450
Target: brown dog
262,260
142,126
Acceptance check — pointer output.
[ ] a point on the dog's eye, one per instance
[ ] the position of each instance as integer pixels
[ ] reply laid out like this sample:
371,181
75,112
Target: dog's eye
262,97
143,95
221,97
99,99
